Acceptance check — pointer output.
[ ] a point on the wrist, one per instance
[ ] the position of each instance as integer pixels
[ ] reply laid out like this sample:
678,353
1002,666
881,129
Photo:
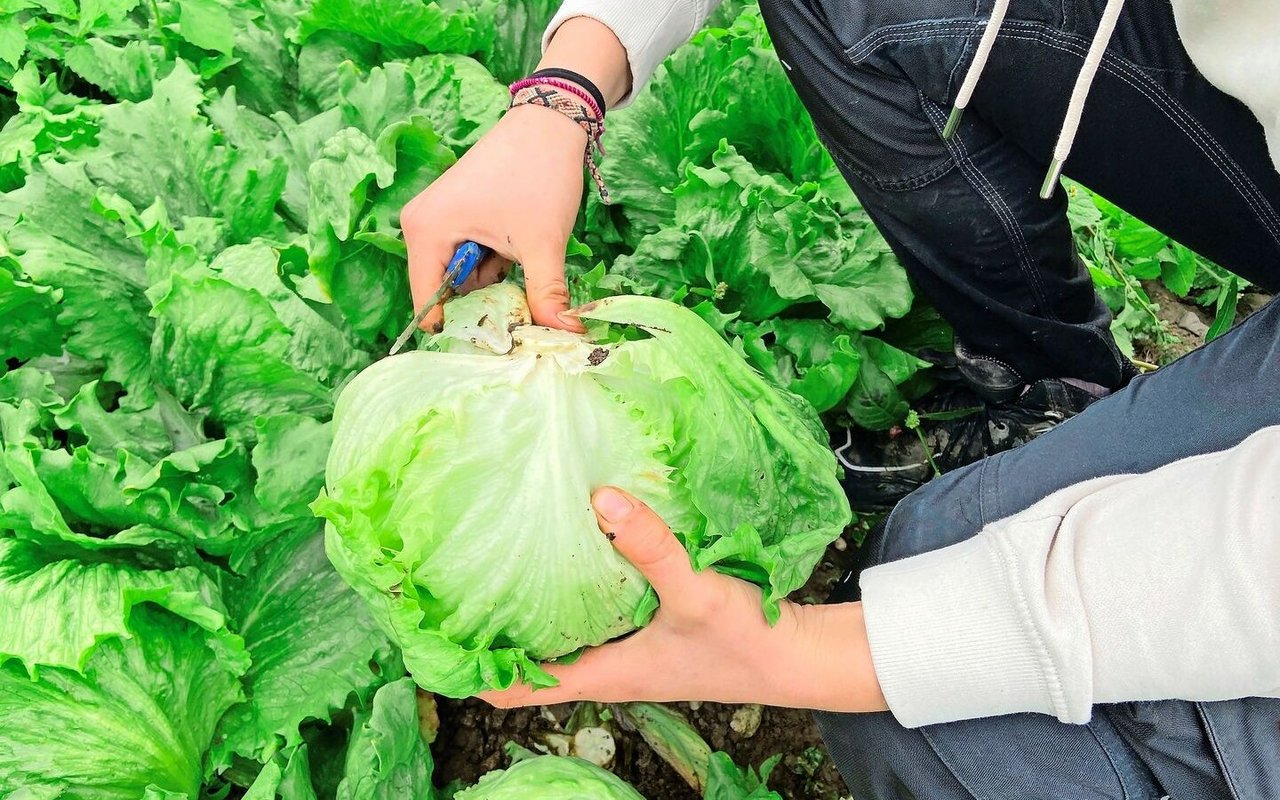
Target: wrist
830,662
542,125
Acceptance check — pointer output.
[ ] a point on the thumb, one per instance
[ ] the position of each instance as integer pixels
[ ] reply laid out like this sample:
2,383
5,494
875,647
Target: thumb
547,291
645,540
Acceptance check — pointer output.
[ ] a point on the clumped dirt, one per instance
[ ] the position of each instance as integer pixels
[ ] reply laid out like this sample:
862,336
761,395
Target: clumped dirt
472,734
1187,322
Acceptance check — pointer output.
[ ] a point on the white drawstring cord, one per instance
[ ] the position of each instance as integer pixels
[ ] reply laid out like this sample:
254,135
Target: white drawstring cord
1079,94
1075,109
985,44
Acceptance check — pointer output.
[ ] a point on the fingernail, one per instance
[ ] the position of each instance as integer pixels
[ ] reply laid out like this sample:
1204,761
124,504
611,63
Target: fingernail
612,504
570,319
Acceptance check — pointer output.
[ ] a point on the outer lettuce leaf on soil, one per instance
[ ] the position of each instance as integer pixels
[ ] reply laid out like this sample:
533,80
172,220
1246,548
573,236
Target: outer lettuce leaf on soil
312,642
387,758
727,781
550,778
286,776
140,715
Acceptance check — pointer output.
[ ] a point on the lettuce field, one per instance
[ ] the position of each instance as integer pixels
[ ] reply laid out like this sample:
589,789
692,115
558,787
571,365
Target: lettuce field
199,247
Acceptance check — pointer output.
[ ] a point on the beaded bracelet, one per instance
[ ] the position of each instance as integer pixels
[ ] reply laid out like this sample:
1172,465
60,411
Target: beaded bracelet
576,104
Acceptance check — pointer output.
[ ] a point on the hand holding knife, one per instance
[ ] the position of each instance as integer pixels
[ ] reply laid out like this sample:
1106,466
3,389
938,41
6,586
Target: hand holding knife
464,262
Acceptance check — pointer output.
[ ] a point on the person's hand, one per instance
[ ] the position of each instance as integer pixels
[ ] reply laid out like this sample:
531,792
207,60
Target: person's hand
709,639
516,191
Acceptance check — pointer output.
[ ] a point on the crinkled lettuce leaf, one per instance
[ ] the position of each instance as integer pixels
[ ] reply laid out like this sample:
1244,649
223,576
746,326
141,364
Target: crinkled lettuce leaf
387,758
133,722
312,642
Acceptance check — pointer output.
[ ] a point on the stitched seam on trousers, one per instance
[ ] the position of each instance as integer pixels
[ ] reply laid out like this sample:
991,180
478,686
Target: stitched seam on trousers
1008,220
908,183
957,146
893,33
872,40
964,53
1189,125
956,774
925,36
1124,785
807,17
1208,145
1216,745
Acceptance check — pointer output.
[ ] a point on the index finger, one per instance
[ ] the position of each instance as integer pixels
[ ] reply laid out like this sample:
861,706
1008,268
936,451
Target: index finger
428,259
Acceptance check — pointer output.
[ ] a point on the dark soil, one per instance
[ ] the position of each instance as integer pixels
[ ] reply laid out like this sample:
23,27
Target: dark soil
1187,322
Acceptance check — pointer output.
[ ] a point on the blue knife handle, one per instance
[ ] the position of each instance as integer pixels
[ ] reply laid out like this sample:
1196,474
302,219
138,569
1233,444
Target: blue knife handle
464,262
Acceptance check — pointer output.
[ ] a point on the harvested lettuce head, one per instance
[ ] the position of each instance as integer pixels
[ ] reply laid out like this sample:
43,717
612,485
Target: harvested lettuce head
459,484
550,778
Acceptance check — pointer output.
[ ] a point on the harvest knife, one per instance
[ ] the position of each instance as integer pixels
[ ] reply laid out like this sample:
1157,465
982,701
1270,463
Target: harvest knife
463,263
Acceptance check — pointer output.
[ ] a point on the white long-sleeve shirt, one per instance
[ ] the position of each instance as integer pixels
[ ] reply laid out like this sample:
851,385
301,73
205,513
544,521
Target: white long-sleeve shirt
1131,587
1234,43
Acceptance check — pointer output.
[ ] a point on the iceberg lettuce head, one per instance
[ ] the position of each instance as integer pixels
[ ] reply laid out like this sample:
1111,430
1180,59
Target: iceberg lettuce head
458,489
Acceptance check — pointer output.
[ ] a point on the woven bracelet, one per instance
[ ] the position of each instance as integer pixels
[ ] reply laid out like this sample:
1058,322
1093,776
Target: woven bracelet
577,105
576,78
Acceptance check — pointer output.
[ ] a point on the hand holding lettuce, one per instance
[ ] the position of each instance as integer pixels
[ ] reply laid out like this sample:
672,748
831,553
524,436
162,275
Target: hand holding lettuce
708,640
459,484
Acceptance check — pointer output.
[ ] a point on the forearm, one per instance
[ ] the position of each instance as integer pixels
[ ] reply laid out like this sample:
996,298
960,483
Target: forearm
591,49
831,668
647,32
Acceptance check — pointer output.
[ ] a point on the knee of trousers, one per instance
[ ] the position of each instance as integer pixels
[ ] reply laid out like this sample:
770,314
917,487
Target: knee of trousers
943,512
881,760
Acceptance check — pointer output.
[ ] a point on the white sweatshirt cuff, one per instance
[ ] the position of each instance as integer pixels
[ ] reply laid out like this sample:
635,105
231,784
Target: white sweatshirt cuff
648,37
948,640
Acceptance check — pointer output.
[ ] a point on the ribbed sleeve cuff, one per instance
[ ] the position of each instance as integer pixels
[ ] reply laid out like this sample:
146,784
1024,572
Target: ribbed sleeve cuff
948,640
648,31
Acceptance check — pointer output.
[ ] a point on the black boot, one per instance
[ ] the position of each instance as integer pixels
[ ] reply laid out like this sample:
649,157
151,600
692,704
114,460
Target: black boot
981,407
